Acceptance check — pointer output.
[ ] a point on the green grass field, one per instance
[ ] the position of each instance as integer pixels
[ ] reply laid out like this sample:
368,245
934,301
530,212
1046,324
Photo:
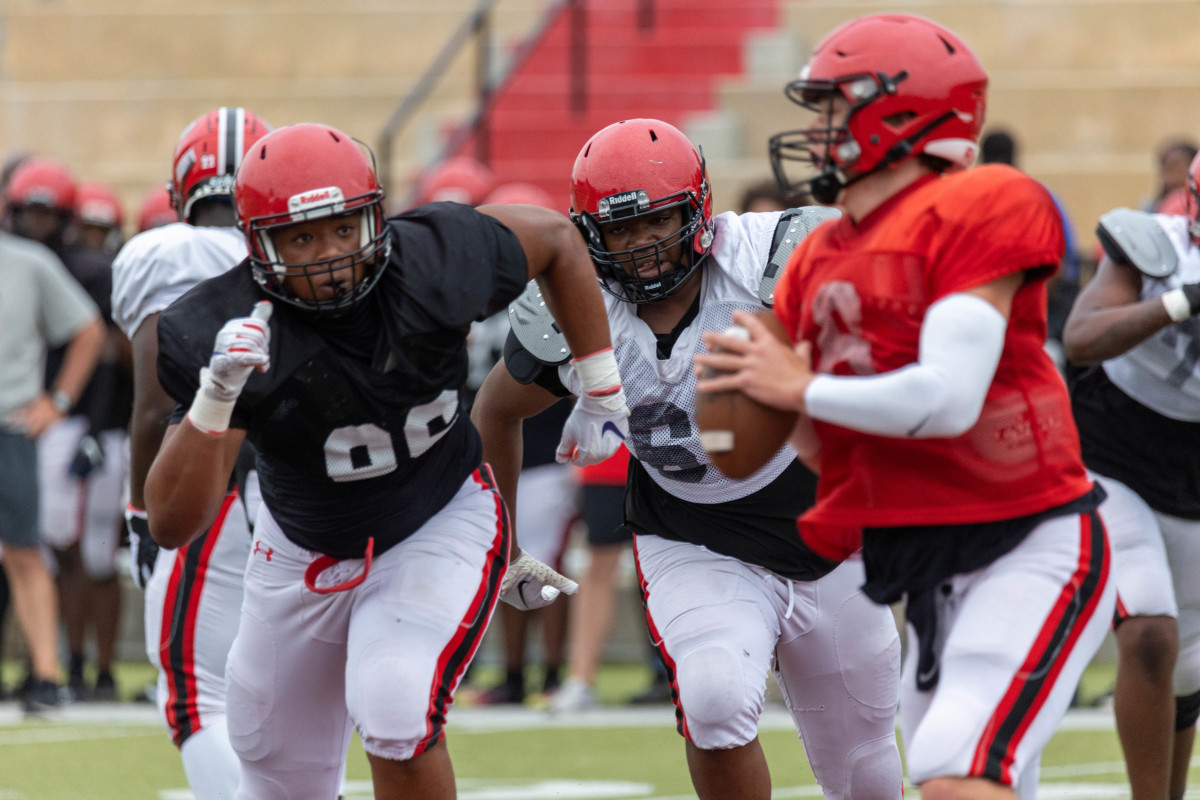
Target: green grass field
119,751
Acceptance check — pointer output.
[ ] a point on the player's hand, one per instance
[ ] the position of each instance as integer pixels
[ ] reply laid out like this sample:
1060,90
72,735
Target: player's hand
242,346
761,366
595,429
531,584
89,456
143,550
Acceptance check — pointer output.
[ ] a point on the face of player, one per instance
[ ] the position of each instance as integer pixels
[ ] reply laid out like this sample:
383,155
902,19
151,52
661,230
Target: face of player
38,223
92,236
651,238
1174,169
827,125
328,243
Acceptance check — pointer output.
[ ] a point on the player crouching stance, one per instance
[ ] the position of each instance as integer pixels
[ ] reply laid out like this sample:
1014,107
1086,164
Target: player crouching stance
947,446
381,545
730,590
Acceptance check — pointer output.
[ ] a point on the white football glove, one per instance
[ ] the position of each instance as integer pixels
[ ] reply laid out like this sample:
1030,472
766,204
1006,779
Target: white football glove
595,429
599,422
242,346
531,584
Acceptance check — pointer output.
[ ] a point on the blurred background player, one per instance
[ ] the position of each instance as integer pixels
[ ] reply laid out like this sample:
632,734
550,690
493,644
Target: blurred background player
920,318
546,508
1137,404
731,592
460,179
193,595
81,459
1172,158
156,210
43,306
98,217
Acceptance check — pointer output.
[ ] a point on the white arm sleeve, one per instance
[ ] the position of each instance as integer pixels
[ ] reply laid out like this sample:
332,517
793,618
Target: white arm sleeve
941,395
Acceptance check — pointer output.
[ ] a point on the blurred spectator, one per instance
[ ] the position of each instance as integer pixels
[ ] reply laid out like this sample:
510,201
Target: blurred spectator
156,210
42,306
460,180
1173,156
98,217
81,459
766,195
999,146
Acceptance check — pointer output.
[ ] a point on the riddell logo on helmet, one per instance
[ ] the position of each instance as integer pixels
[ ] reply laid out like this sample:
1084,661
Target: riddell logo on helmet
327,200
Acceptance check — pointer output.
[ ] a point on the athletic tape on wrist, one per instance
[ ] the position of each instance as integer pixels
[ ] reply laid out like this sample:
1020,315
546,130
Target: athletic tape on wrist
598,373
209,414
1177,305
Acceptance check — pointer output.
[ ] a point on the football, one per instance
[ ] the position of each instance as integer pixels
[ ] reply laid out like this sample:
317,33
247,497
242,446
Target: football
741,434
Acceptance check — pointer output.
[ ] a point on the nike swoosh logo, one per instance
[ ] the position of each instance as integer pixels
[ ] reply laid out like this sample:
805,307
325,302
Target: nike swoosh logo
608,426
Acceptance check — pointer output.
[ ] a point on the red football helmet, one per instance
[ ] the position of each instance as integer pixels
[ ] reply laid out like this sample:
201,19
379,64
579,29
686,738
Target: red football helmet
42,182
304,172
912,87
97,204
460,180
156,209
208,153
627,170
521,194
1191,208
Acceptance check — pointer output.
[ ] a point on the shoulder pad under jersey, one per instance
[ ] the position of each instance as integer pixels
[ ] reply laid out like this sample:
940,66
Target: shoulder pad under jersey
535,327
794,224
1136,238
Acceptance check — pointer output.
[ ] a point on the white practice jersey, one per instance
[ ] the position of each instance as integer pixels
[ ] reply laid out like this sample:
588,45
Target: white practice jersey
157,266
1163,372
662,393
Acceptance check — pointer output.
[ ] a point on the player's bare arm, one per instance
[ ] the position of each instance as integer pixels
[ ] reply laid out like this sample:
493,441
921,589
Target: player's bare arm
152,408
188,481
1109,316
500,407
559,260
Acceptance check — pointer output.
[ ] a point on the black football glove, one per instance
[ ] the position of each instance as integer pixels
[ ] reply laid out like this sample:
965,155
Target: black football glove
143,550
89,455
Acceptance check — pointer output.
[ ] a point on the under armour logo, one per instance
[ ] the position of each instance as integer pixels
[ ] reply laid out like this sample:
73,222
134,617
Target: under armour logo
258,549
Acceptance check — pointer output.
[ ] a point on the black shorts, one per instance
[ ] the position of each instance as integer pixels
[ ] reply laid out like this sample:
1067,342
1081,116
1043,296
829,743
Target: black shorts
603,510
18,490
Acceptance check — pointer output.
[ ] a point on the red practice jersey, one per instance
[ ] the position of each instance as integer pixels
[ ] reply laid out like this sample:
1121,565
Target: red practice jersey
859,294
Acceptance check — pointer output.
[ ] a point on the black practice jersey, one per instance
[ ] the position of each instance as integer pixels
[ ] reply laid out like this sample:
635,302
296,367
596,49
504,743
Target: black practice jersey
1155,456
358,421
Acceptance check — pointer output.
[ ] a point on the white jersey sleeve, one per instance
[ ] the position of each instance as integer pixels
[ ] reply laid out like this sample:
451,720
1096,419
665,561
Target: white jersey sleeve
1163,372
157,266
661,393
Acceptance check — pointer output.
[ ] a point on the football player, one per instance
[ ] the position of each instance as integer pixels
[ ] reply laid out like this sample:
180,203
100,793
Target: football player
193,595
730,590
1139,423
381,545
943,430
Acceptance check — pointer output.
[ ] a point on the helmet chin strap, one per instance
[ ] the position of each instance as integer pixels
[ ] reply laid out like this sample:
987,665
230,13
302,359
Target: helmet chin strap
828,185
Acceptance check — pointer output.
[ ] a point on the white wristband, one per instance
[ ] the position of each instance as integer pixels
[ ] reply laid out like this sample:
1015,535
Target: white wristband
1177,305
598,373
209,414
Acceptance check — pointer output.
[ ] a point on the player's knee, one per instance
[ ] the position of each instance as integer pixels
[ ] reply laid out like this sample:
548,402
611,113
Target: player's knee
1149,645
868,653
873,771
249,690
721,709
389,701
